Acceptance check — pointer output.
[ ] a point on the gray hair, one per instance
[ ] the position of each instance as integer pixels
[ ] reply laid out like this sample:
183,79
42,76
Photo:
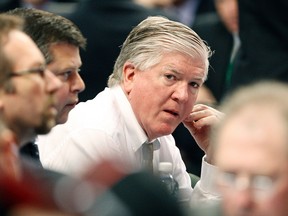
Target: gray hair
153,37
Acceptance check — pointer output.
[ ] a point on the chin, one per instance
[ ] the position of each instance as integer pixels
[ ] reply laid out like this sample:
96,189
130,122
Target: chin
44,129
61,119
165,131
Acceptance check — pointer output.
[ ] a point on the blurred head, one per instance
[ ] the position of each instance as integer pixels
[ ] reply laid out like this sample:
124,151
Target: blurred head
27,100
228,12
161,66
59,40
251,151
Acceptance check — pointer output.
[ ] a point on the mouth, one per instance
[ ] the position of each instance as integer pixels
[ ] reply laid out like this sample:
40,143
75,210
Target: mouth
72,104
172,112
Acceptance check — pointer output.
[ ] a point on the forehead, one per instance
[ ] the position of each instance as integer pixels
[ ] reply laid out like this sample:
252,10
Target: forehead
61,47
254,137
184,64
22,51
65,52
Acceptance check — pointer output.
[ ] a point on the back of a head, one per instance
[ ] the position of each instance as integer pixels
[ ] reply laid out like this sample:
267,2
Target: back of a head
152,38
47,28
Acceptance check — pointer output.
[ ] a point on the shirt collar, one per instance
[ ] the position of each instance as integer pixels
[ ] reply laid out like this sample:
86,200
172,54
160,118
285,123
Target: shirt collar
138,136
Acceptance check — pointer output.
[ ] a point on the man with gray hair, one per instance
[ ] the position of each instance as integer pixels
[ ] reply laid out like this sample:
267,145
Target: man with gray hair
153,88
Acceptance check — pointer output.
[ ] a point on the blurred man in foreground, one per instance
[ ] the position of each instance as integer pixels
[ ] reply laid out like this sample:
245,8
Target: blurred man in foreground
251,151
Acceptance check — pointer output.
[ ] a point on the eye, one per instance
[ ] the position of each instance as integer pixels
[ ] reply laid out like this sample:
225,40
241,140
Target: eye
227,178
64,76
170,77
194,85
262,182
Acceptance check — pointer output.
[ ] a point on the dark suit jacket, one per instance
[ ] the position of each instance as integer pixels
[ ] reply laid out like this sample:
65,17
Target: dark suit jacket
30,152
106,24
264,44
211,29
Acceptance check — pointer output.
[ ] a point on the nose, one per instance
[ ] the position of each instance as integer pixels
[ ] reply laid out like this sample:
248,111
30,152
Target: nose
181,93
78,84
52,82
243,200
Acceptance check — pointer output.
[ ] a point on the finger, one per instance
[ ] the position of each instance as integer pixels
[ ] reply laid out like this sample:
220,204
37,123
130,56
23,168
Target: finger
207,121
199,107
195,116
190,126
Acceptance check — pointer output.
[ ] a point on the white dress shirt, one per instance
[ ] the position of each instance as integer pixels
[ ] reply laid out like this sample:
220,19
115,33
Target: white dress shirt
106,128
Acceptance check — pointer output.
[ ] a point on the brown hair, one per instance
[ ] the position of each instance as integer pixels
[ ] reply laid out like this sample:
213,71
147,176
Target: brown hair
47,28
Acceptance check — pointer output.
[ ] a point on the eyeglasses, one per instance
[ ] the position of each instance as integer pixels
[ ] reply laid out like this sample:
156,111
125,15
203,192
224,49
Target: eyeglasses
260,185
39,70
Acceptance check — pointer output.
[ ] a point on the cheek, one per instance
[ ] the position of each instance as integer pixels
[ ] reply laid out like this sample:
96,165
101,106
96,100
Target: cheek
278,202
141,95
228,204
39,95
189,105
61,96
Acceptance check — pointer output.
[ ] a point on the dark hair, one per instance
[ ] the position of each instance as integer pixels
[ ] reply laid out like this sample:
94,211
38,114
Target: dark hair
47,28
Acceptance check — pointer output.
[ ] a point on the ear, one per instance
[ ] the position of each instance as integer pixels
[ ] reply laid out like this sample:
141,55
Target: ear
128,76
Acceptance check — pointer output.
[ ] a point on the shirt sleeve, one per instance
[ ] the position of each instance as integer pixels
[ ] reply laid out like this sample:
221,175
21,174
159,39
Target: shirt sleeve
205,191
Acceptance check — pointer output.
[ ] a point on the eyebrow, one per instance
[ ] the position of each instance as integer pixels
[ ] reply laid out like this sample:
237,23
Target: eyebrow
179,73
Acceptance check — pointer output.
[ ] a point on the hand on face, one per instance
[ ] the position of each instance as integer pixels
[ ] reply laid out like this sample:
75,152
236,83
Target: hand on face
199,123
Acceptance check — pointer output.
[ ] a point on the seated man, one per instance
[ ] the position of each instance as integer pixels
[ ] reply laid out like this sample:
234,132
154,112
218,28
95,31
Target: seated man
27,108
152,90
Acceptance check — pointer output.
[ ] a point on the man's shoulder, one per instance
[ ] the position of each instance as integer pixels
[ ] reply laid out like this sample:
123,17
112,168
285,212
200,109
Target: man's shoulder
92,111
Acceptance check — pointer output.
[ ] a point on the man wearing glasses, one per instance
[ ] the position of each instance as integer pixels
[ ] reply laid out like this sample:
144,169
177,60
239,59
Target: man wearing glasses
251,151
27,99
27,91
